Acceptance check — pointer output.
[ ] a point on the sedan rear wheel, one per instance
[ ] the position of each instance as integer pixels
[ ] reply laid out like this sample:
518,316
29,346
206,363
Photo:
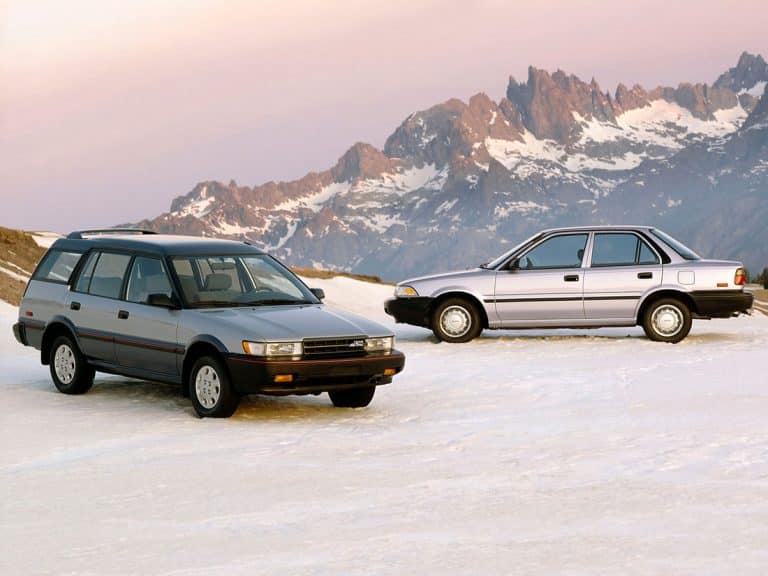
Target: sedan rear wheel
667,320
456,320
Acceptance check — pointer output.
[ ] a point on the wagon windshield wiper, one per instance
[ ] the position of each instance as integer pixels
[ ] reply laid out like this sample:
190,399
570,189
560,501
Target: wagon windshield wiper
274,302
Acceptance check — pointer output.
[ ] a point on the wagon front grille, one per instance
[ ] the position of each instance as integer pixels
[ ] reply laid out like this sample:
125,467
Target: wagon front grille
335,347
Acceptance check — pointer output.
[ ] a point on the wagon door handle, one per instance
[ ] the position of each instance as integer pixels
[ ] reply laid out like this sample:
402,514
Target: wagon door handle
571,278
122,314
645,275
74,306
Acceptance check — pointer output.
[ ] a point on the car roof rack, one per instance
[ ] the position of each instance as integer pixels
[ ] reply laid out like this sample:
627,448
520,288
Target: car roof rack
79,234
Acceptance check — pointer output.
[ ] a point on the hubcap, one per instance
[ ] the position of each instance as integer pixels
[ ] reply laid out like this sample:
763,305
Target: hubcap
455,321
667,320
64,364
207,386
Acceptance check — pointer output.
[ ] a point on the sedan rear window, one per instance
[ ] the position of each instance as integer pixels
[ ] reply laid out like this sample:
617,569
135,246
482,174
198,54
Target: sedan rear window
676,245
57,266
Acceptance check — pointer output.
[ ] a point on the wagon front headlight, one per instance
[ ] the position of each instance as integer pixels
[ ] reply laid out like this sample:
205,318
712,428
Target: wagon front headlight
270,350
405,292
380,345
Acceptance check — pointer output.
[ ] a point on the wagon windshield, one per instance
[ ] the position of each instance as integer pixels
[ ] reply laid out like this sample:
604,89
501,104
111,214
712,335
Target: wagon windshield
676,245
237,280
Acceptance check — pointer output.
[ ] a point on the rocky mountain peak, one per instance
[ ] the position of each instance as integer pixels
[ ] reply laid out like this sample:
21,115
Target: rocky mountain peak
547,103
759,115
750,70
362,161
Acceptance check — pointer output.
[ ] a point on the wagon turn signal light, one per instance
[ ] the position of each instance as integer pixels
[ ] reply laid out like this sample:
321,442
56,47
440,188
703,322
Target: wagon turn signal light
741,277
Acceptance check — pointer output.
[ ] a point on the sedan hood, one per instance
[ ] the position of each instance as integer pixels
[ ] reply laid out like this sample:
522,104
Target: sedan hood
446,275
293,322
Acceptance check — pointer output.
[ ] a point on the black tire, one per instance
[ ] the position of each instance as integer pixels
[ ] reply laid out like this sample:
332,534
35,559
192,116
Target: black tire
352,397
765,278
462,310
70,372
214,397
670,313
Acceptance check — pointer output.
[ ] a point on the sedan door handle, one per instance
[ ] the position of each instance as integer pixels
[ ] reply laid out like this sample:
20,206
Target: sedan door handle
74,305
645,275
571,278
122,314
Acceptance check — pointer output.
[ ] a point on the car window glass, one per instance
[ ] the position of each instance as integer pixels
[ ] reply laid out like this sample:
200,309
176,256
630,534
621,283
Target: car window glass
58,266
108,275
266,276
84,281
248,280
614,250
148,276
647,256
565,251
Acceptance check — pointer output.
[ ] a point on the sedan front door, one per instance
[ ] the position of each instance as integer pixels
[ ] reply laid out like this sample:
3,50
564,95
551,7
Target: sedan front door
543,286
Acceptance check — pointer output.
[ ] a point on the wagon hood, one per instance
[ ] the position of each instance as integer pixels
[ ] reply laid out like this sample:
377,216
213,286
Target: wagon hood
293,322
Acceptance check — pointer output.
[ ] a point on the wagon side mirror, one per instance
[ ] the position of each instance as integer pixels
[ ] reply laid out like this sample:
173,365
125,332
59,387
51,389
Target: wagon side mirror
318,292
162,300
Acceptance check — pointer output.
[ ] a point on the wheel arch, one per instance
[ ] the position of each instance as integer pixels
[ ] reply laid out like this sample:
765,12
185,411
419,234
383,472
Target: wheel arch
475,299
58,326
684,297
201,346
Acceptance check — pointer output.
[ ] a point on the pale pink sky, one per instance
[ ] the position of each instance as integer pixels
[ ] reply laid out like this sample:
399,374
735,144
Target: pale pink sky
109,109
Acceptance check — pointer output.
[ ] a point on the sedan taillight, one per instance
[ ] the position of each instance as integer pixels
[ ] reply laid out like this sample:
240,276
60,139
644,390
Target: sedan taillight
741,277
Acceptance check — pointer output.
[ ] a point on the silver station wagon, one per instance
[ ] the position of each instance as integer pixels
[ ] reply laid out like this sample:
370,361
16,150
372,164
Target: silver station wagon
578,278
218,317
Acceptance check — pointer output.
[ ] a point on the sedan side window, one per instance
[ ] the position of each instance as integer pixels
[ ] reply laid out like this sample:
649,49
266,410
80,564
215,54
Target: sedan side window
621,250
564,251
108,275
148,276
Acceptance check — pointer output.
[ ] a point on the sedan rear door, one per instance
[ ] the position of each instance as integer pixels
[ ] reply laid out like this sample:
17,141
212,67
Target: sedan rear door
622,267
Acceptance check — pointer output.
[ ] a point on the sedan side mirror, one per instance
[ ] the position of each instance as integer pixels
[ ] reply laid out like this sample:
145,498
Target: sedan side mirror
162,300
513,265
318,292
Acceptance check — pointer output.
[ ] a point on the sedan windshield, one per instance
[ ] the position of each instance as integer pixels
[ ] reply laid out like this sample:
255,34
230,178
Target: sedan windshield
239,280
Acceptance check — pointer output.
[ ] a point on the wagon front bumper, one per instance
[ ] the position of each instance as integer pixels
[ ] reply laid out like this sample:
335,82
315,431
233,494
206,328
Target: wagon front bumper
252,375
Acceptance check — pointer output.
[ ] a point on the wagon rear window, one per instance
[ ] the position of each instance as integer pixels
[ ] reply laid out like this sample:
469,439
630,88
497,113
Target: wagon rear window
57,266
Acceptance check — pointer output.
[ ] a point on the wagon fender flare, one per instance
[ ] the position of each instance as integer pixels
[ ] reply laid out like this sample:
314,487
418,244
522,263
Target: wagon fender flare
52,325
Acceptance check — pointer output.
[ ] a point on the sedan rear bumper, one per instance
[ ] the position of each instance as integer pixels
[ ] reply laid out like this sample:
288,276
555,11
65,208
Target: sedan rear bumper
721,303
257,376
413,311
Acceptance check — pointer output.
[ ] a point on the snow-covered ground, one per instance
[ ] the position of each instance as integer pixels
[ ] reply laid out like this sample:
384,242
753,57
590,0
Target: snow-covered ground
568,452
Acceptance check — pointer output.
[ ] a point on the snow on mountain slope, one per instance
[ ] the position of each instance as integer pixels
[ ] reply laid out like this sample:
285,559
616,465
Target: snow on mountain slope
518,449
472,177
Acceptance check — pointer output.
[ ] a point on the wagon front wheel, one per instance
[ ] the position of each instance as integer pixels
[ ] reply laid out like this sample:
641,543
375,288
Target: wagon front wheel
210,389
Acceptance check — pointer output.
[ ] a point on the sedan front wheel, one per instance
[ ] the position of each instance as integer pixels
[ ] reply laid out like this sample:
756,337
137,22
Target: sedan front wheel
456,320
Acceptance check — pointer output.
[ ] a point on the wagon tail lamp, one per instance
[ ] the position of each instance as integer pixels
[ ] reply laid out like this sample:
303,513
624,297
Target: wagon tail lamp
741,277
